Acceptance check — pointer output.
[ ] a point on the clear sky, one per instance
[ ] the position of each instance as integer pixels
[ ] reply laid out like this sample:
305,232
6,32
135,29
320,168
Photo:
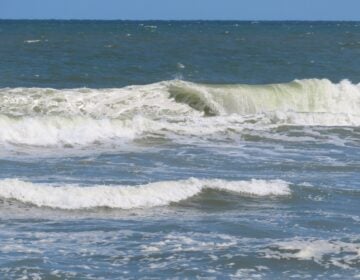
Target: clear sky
182,9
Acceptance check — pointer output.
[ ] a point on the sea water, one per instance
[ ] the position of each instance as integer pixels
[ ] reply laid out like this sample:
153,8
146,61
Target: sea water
209,150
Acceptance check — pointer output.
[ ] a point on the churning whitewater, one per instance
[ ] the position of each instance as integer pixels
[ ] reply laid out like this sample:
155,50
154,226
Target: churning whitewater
128,197
171,109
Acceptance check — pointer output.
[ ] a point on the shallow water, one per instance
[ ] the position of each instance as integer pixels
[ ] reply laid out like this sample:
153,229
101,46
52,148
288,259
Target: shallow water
179,150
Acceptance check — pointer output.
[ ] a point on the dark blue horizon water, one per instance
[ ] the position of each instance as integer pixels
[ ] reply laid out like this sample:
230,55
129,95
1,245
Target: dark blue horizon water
100,54
179,150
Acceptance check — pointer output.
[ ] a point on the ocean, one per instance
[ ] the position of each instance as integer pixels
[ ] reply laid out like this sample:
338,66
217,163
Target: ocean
179,150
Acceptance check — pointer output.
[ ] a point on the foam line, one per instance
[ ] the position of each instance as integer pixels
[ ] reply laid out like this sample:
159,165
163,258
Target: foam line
128,197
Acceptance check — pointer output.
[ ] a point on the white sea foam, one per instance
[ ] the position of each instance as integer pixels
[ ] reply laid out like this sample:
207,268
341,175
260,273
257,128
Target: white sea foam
319,97
128,197
32,41
338,253
55,131
172,109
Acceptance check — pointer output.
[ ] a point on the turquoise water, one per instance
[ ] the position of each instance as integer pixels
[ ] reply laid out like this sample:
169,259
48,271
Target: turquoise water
216,150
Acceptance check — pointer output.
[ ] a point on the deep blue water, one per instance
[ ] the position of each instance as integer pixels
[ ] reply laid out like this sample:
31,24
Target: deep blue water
147,150
96,54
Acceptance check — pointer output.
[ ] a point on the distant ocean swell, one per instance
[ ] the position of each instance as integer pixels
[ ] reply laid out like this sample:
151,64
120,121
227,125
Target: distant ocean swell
50,117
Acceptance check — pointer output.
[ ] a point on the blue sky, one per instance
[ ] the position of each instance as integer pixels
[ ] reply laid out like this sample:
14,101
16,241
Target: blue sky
182,9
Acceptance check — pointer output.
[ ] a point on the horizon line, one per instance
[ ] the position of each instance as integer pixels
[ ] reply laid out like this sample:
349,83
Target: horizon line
167,20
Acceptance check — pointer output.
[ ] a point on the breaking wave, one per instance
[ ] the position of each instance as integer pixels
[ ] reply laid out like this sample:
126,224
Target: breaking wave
128,197
50,117
310,96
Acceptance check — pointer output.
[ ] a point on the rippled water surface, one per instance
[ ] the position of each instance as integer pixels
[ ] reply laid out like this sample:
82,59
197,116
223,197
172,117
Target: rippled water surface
216,150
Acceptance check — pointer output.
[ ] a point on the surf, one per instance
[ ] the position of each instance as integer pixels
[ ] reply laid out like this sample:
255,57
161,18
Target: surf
300,96
170,109
70,197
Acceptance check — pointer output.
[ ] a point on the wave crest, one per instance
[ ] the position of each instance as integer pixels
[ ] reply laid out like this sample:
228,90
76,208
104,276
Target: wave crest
300,96
128,197
49,117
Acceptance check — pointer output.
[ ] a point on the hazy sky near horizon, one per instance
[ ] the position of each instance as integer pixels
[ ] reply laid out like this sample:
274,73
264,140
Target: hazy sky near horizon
182,9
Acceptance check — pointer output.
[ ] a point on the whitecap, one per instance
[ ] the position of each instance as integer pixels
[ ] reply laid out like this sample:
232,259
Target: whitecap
32,41
127,197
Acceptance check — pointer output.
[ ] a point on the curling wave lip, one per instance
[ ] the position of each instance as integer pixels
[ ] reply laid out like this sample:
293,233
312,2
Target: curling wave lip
170,109
171,98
